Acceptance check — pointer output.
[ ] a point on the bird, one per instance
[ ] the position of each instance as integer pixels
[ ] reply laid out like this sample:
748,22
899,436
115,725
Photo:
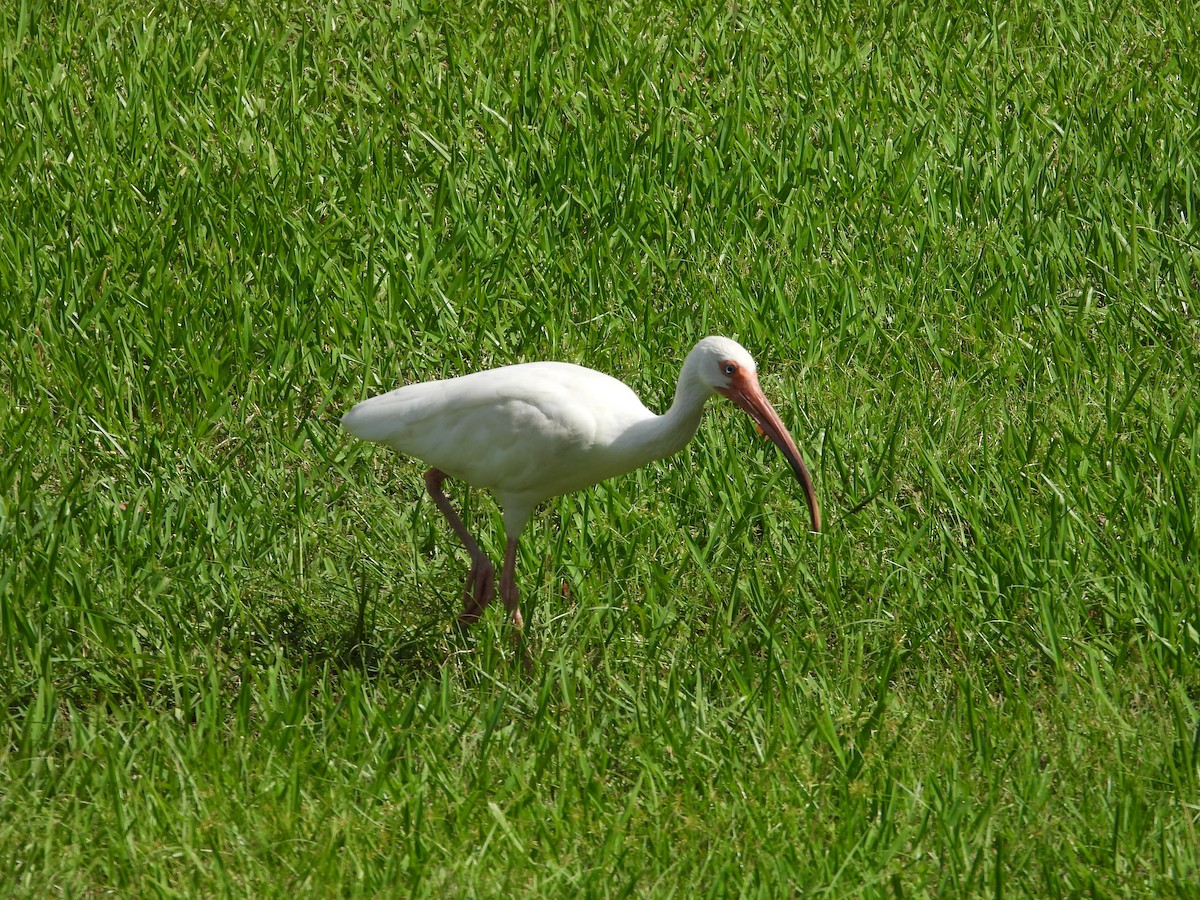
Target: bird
533,431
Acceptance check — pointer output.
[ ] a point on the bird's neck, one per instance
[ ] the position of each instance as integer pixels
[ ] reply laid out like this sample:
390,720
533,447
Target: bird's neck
661,436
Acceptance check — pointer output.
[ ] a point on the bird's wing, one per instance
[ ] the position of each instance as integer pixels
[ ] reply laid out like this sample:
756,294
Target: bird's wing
519,430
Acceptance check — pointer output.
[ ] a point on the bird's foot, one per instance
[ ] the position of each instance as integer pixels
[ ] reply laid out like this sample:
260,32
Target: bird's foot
479,591
520,644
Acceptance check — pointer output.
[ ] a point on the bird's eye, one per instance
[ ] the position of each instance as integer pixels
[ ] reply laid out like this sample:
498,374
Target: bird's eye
730,368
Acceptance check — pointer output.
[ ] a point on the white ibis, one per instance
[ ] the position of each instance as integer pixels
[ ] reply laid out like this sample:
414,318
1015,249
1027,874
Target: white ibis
534,431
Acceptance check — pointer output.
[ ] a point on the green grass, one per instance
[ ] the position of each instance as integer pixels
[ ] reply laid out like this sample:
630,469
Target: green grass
962,243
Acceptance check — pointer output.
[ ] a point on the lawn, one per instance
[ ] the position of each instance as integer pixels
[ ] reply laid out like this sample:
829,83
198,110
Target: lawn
963,244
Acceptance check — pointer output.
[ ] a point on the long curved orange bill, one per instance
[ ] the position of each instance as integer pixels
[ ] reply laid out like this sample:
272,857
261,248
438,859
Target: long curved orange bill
745,392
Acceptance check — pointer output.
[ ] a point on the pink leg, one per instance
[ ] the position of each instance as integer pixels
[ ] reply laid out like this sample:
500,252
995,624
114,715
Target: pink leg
508,584
481,586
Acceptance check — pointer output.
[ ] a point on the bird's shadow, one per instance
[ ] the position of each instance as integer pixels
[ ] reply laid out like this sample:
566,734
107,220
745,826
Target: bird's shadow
417,651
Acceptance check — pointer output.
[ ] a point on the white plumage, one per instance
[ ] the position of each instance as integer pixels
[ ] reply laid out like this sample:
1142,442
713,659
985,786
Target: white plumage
534,431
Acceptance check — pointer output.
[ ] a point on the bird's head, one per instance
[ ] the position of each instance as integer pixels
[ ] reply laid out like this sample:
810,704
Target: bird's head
729,370
721,363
